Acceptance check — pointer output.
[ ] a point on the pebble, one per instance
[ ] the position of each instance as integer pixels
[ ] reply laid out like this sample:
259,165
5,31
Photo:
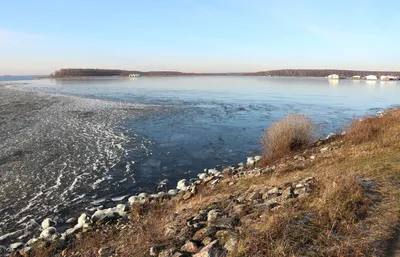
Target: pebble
48,223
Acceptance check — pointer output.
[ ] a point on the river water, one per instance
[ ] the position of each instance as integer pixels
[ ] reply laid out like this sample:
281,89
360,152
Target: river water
72,144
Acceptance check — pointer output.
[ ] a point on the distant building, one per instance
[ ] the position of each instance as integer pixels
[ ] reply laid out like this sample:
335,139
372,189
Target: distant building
134,75
356,77
371,77
333,76
384,77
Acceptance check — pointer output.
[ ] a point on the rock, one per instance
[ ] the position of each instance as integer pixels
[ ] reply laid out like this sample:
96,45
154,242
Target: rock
231,244
122,207
25,252
203,233
71,221
105,252
257,158
155,250
190,247
213,172
31,241
172,192
206,240
48,232
288,193
181,254
202,176
182,185
211,250
254,196
213,215
250,161
224,223
238,210
185,233
73,230
82,219
16,246
187,195
134,200
167,253
48,223
3,249
325,149
272,191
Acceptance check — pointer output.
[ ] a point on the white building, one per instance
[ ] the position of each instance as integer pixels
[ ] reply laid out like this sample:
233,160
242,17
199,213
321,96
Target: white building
134,75
384,77
333,76
371,77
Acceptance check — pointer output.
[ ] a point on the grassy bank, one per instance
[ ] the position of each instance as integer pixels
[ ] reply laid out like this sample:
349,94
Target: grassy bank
336,197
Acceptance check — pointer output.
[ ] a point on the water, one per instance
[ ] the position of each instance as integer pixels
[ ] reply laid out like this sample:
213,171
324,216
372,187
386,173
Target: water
115,137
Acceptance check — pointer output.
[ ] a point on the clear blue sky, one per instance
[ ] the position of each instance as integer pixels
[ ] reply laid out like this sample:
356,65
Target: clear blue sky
37,37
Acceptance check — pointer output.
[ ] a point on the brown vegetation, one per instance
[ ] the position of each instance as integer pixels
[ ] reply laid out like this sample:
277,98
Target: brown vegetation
290,134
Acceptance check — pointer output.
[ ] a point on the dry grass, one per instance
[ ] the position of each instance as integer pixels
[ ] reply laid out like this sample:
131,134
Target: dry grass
367,129
289,134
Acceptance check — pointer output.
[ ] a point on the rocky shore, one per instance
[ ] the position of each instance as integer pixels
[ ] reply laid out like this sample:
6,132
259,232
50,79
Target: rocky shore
213,231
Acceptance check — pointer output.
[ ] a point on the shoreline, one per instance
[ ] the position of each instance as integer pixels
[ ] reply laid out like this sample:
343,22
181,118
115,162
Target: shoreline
301,187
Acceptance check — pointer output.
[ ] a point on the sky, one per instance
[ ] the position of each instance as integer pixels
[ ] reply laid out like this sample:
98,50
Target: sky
41,36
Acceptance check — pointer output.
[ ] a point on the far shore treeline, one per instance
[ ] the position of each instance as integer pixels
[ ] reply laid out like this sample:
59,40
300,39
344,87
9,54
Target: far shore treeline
284,73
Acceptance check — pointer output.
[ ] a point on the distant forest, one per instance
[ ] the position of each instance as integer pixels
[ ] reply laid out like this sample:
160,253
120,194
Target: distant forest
284,73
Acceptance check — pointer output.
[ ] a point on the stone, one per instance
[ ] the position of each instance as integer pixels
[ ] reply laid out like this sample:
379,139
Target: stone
238,210
190,247
71,221
215,182
182,185
213,215
185,233
25,252
16,246
211,250
134,200
181,254
250,161
172,192
254,196
48,223
3,249
213,172
167,253
224,223
82,219
206,240
48,232
122,207
105,252
257,158
187,195
231,244
202,176
272,191
203,233
288,193
31,241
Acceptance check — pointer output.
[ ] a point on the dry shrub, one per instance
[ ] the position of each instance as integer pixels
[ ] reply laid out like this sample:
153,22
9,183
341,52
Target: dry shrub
361,131
289,134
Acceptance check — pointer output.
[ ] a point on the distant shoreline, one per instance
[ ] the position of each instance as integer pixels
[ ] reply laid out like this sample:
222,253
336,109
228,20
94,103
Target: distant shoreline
315,73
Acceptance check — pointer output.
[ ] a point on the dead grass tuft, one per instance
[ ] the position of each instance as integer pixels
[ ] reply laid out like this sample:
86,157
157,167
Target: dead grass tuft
361,131
287,135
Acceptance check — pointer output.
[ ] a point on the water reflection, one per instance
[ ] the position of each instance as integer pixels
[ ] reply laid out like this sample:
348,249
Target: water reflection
370,83
333,82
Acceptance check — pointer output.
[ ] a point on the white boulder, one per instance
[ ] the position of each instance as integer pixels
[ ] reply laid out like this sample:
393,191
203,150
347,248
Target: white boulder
48,232
48,223
182,185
